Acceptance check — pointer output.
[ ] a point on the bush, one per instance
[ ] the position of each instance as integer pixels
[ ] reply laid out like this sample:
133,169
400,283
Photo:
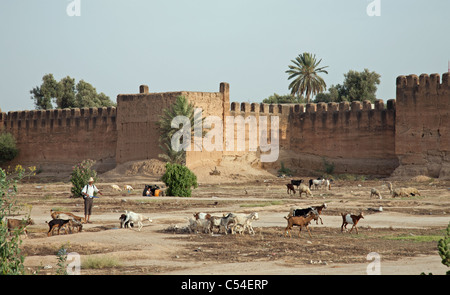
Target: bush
11,258
179,180
284,170
444,248
8,149
80,176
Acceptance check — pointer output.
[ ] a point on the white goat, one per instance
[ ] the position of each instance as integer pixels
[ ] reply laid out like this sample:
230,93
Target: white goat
116,187
128,187
375,192
199,225
304,189
135,218
244,221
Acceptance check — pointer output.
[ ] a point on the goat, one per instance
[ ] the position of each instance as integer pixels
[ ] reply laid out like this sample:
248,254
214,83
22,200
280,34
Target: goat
57,215
116,187
375,192
226,220
202,225
405,192
215,221
296,182
328,183
304,189
304,211
128,188
74,224
348,218
123,224
317,183
57,223
245,221
301,221
20,224
135,217
290,187
200,215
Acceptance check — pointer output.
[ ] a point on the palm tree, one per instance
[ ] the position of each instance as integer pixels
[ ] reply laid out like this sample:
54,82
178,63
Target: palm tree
181,107
305,70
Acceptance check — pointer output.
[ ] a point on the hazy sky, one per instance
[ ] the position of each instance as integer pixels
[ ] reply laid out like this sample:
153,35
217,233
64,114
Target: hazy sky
194,45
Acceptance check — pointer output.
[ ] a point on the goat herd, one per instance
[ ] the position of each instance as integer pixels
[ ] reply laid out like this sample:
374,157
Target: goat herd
227,223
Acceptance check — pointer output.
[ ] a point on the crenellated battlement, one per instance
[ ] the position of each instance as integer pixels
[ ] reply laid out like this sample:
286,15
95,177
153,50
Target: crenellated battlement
259,108
58,117
309,108
423,84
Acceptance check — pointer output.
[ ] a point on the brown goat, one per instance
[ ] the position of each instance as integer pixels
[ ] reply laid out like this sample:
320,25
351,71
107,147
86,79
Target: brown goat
301,221
16,223
290,187
319,211
350,219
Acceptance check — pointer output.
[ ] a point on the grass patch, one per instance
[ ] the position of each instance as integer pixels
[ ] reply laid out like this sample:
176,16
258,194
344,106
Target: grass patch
265,204
419,239
100,262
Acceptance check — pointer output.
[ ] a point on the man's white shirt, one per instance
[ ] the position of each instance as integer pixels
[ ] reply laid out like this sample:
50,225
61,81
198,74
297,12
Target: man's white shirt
90,190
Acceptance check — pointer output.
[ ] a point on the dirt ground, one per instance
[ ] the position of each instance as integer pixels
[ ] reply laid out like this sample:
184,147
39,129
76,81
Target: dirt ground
404,234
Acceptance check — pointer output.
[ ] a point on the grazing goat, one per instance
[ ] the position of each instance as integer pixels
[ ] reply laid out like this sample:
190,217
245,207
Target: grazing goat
135,218
375,192
74,224
348,218
116,187
296,182
290,187
123,224
244,221
304,189
301,221
405,192
57,223
128,187
304,211
20,224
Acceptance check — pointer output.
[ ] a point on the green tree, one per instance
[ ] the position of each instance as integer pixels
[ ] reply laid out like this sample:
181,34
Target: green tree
280,99
67,94
356,86
179,180
65,97
305,74
181,107
44,94
8,148
80,176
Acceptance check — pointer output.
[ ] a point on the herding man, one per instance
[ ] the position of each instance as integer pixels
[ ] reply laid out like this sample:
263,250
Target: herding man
88,196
